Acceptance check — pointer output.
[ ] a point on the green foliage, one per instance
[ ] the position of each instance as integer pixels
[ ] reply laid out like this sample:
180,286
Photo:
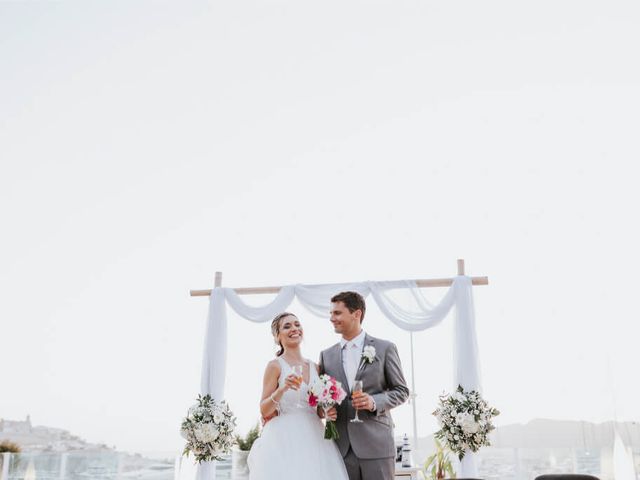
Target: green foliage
246,443
7,446
438,465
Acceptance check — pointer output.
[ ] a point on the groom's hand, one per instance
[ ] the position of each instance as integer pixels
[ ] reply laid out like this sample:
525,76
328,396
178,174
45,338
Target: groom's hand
266,419
364,401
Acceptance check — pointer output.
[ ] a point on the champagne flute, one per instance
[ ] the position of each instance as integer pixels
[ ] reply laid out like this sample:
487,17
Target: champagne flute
298,372
356,391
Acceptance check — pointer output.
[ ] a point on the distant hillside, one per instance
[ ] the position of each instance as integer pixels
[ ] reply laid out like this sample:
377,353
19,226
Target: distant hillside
47,440
44,439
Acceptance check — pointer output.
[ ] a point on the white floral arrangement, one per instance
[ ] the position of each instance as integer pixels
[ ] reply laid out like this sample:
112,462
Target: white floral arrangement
465,421
369,354
208,429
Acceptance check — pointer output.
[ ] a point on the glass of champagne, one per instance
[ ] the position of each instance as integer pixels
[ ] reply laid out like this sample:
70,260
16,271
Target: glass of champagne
356,391
298,372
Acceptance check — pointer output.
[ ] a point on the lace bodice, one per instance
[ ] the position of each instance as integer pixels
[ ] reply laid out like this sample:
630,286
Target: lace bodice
289,401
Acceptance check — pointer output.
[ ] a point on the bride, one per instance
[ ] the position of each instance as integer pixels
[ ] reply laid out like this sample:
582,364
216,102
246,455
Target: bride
292,444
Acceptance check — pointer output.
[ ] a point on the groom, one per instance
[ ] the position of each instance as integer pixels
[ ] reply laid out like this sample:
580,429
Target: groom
368,448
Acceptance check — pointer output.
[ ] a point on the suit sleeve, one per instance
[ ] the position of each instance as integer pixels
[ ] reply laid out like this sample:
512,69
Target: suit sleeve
397,391
321,364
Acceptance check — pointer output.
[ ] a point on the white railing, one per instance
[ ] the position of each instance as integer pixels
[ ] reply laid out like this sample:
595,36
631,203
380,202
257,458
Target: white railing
83,465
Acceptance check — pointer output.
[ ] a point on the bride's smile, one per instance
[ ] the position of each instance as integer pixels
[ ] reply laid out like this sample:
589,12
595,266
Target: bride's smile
291,332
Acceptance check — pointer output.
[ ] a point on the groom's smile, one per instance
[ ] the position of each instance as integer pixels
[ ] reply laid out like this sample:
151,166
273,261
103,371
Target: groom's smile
345,322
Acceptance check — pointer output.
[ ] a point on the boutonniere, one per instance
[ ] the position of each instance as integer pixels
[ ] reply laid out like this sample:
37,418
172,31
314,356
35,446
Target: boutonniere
368,354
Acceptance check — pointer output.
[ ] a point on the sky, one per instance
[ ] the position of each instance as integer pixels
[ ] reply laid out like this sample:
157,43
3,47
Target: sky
146,145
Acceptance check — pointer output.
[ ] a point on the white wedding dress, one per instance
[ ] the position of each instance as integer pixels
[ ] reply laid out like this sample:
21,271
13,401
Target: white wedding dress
292,445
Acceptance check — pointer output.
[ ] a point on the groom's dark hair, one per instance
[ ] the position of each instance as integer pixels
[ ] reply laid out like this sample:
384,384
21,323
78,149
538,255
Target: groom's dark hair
352,300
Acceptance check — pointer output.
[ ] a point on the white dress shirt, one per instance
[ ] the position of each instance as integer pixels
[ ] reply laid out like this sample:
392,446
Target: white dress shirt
351,355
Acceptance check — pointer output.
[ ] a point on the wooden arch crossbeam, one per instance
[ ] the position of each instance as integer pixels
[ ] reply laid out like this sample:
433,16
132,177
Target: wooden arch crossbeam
424,283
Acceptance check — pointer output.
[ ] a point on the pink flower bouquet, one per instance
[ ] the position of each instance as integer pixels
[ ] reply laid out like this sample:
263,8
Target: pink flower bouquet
326,392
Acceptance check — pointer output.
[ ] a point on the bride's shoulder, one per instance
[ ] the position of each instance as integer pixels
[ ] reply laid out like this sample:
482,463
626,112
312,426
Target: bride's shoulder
273,366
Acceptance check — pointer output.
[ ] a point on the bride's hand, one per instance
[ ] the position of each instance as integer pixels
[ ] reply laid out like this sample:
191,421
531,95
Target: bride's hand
291,382
332,414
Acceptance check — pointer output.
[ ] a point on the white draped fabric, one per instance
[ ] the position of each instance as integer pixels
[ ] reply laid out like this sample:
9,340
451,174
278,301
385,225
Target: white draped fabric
316,298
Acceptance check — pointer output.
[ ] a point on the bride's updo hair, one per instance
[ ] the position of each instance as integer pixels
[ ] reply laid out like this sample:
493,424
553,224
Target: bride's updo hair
275,329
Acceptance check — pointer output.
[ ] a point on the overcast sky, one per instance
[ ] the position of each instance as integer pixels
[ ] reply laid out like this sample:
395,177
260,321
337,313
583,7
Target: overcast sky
145,145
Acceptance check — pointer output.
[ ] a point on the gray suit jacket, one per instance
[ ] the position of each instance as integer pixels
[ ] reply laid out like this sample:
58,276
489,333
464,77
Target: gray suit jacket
384,381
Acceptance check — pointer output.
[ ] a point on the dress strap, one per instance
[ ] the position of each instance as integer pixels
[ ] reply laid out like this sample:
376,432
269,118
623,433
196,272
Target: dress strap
313,371
284,369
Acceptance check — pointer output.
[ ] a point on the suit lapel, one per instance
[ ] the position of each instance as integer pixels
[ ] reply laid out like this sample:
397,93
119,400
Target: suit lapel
339,366
363,364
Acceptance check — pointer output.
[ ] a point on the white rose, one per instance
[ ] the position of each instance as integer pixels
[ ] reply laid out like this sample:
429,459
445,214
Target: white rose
316,389
206,433
198,433
212,431
369,353
460,418
459,397
469,425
